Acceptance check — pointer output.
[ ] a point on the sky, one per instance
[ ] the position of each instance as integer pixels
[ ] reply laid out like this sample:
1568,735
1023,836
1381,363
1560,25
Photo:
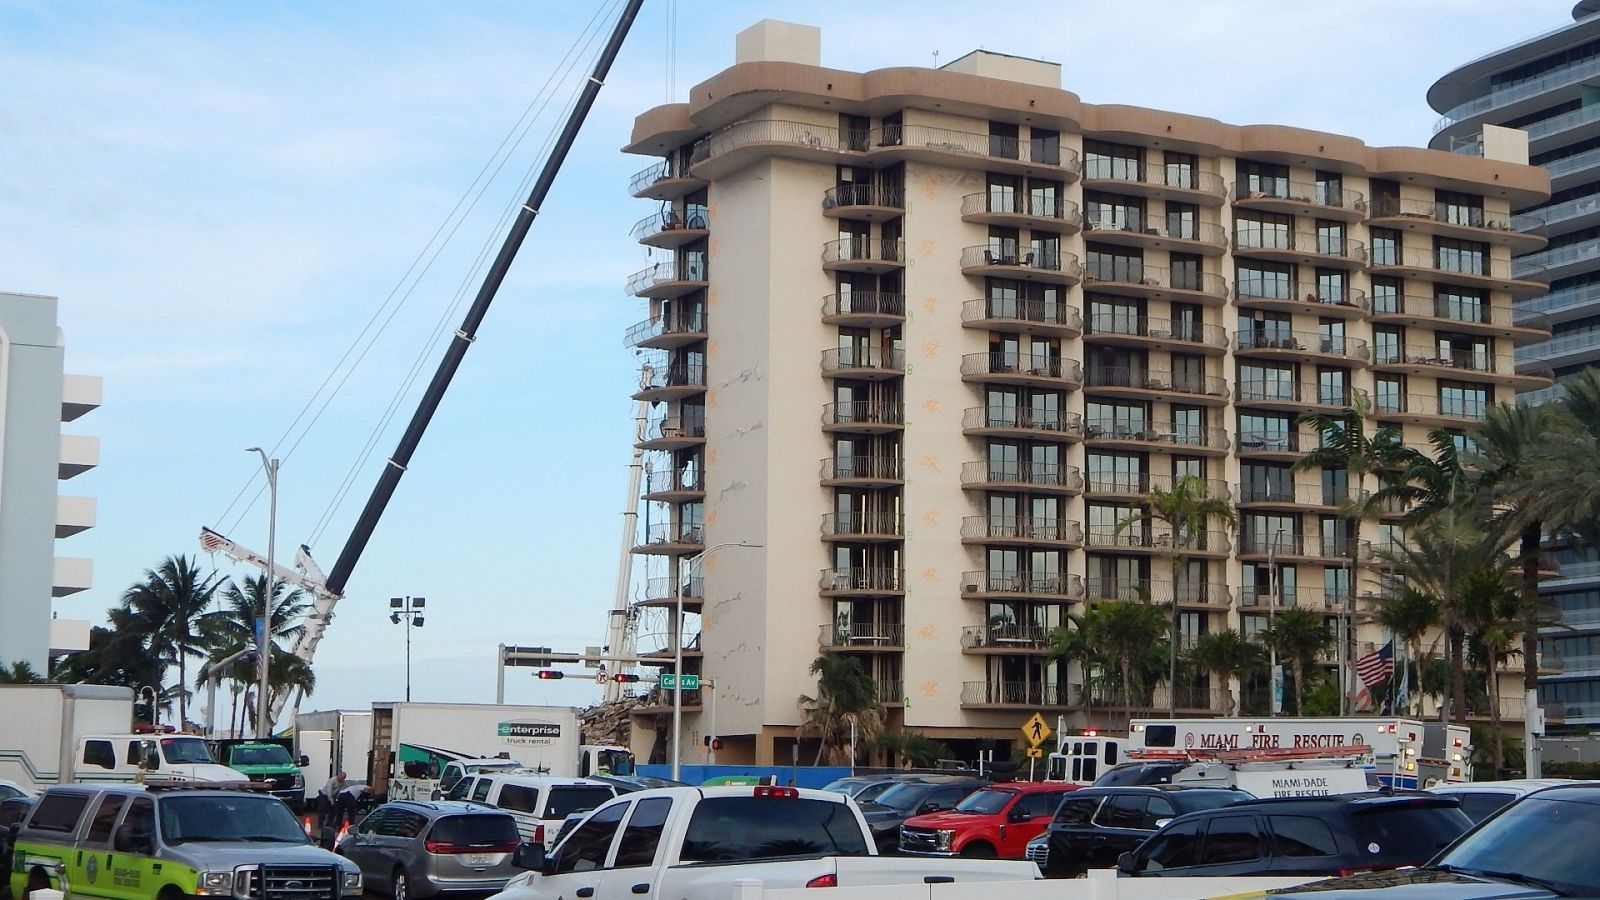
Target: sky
225,195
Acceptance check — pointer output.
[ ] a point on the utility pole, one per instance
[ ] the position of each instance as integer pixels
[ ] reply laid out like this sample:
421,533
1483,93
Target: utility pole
269,581
409,610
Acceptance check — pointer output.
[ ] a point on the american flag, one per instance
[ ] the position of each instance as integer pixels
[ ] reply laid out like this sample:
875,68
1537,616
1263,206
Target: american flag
1376,667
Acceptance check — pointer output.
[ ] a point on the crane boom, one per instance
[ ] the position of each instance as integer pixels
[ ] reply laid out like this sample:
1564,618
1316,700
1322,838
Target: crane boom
620,627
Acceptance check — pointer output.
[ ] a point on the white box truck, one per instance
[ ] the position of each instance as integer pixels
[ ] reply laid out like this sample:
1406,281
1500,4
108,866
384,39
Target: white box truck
350,732
58,716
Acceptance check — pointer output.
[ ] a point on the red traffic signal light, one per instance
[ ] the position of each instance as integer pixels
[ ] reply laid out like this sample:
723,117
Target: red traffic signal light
715,743
549,674
625,677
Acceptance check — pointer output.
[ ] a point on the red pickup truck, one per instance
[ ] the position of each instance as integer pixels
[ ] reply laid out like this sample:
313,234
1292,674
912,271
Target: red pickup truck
996,822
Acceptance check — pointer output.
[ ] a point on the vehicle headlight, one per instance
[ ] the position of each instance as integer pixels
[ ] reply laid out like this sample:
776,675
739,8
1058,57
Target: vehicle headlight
944,838
299,780
214,883
352,883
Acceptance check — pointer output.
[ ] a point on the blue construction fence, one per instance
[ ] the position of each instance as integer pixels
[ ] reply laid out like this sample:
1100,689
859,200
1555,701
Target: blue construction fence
801,776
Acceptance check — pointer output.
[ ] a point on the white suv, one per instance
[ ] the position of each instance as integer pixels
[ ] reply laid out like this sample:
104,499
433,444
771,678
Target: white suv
539,803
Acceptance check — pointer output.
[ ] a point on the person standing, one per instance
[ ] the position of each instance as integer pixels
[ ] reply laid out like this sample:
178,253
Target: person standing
328,798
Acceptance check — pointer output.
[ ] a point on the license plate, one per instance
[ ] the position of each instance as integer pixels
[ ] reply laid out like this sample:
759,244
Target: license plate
480,859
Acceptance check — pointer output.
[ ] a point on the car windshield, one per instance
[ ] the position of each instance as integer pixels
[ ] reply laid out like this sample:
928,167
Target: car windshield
874,790
1539,839
266,755
903,797
244,817
846,786
985,803
730,829
1409,833
185,750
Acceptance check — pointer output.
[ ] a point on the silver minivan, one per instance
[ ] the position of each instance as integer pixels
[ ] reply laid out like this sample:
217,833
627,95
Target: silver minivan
423,848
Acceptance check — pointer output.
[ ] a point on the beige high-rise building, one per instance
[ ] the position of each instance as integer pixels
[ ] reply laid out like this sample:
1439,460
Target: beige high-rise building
930,338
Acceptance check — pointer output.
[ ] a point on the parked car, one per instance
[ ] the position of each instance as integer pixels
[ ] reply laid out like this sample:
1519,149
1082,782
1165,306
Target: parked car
1540,846
1131,774
12,811
894,806
862,788
1482,799
1095,825
10,790
1039,850
421,848
627,784
995,822
1335,835
539,803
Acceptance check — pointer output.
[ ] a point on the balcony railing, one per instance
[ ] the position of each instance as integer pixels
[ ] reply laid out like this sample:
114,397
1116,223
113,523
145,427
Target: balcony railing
1288,292
1008,363
864,412
966,143
1143,483
1451,214
1294,596
1299,494
1460,310
1181,177
862,579
1112,700
695,217
1011,581
1298,192
1466,360
1329,546
691,269
1334,245
891,691
1277,442
1157,227
843,359
1475,265
887,524
1022,473
1572,73
677,374
684,323
1566,255
1003,636
862,635
847,195
674,533
1020,693
1577,208
872,468
671,428
1018,203
1473,408
1126,270
671,480
1005,254
1117,323
865,303
1053,421
856,249
1272,391
1027,528
1016,309
1156,380
1562,345
1189,593
649,175
776,131
1180,435
660,589
1139,537
1302,342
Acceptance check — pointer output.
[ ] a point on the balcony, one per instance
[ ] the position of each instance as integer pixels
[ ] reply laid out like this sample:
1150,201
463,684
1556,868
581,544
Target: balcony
982,152
1557,262
675,485
1303,248
79,454
1293,547
1001,583
1299,198
1037,370
1120,330
1580,212
1012,314
997,530
743,142
1189,700
863,363
1020,695
1212,595
1015,209
871,581
1006,421
1200,439
71,575
1132,278
1005,638
1141,539
1122,381
663,181
670,382
670,433
866,309
1561,76
1299,597
1567,349
863,416
1523,234
1308,298
1430,409
74,515
863,526
890,691
1517,324
1156,181
1141,485
667,280
662,592
1152,233
672,539
1290,496
1021,475
872,256
1460,365
1296,396
862,471
1002,260
1310,346
80,395
863,636
864,202
668,331
1276,444
670,229
1466,269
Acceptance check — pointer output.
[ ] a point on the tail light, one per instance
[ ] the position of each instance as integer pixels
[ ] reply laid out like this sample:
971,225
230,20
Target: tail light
448,847
538,834
787,792
828,880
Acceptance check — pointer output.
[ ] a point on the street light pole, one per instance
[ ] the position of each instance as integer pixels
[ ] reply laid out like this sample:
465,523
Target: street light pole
677,650
270,584
411,609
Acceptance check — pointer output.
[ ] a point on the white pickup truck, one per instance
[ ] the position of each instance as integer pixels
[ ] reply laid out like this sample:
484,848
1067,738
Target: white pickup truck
682,843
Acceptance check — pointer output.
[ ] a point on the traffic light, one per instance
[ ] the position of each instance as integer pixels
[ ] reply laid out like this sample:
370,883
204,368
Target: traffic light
549,674
625,677
715,743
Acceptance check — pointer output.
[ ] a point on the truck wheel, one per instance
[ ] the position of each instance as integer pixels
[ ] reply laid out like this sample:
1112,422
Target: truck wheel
400,885
978,850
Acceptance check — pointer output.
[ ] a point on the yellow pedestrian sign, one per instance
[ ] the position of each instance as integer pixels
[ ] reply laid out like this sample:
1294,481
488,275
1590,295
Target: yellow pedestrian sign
1036,730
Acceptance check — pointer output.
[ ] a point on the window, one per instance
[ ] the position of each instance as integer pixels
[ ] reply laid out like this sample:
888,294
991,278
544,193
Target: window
724,829
1077,811
402,823
1385,247
1159,807
1183,219
105,818
1330,189
643,834
1126,811
1386,343
59,811
1330,238
1044,146
1388,394
1107,160
1231,839
1263,231
1003,140
1262,432
481,791
1112,212
1301,836
518,798
1259,179
1466,257
1177,847
1113,265
563,801
1458,209
1268,281
1186,272
468,830
1386,294
1460,304
1467,401
1038,804
1181,171
1331,288
585,849
140,819
99,753
460,790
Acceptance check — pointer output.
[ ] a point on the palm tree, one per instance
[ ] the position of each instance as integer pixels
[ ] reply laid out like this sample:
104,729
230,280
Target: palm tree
1566,464
1491,609
846,696
1409,616
909,749
1227,654
169,604
1299,635
1124,630
21,672
1186,509
233,628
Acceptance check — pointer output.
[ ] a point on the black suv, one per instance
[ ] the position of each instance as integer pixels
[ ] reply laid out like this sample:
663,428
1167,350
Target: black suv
1095,825
935,793
1335,835
1136,773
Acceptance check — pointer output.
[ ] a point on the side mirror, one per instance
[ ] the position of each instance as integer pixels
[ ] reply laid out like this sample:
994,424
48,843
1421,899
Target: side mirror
929,807
1017,815
152,759
529,855
1162,823
1127,864
303,761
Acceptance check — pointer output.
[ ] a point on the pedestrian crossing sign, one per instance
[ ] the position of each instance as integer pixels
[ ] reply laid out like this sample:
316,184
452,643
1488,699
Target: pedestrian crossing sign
1036,730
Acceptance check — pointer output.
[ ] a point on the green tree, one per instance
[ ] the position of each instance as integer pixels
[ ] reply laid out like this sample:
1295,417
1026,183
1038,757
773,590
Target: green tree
168,606
1492,608
1409,616
232,628
1299,635
116,655
1123,631
846,696
912,749
1227,655
21,672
